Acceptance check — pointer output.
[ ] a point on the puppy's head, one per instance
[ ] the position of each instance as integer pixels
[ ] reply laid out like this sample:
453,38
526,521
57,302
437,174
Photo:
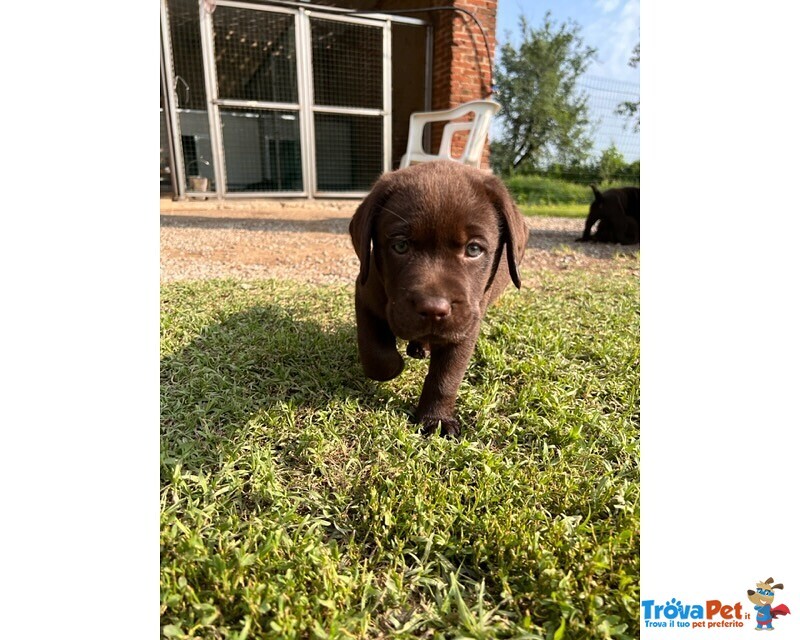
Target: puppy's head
434,235
606,203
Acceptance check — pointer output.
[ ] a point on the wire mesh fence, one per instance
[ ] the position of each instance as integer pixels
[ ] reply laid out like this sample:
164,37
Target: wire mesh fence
611,128
189,95
349,151
276,100
347,64
348,74
255,60
262,150
255,55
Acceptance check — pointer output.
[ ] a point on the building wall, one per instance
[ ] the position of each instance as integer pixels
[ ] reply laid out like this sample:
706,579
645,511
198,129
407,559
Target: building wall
461,67
460,70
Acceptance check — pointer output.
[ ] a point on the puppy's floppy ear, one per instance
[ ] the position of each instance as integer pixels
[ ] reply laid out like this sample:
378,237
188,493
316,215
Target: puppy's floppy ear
515,231
363,221
598,197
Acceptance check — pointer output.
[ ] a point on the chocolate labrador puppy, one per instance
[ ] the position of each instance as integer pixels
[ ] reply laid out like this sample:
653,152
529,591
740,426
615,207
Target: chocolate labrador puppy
438,242
617,210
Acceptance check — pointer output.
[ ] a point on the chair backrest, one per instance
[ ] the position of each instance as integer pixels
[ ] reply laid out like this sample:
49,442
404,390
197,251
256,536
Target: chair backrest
478,129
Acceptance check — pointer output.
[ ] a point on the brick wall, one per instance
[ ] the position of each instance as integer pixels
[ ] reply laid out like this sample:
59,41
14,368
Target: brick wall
461,68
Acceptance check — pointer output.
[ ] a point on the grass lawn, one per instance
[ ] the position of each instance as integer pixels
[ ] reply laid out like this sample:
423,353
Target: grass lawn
298,502
543,196
555,210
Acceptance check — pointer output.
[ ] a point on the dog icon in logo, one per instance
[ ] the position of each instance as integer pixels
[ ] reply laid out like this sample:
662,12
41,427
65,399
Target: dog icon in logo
762,597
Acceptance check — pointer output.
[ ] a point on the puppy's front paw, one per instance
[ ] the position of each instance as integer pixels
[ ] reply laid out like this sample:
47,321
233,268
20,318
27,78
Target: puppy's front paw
581,239
447,427
451,428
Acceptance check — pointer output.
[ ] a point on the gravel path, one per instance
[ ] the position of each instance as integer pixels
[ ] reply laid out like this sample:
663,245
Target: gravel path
309,242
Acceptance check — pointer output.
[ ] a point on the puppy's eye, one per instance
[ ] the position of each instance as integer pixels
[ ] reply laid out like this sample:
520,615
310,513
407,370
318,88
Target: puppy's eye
401,246
473,250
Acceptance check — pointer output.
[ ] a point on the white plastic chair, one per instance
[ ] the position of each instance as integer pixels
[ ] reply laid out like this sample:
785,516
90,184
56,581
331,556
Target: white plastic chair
478,128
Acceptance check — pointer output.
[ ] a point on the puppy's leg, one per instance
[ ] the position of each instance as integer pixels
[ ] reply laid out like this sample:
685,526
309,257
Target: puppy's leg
619,224
632,232
438,400
587,229
377,345
604,233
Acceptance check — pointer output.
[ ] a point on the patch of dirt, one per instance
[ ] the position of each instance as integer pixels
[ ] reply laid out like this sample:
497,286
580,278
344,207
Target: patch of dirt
309,241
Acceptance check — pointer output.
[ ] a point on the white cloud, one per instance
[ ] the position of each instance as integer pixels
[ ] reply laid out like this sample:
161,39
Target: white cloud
607,6
615,35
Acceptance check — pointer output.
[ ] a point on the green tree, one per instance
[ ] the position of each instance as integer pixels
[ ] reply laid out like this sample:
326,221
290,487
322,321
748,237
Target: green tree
630,108
611,164
544,117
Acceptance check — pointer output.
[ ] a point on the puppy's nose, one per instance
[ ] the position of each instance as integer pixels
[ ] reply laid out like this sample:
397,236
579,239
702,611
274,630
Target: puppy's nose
432,307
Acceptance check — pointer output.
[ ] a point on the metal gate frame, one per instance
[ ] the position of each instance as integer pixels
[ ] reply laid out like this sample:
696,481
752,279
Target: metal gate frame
305,106
170,109
385,111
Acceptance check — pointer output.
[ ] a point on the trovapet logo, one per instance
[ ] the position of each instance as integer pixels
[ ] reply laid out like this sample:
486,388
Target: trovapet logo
717,614
674,613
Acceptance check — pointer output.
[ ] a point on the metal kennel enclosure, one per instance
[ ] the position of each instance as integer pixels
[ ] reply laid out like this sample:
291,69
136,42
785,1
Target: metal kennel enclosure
283,100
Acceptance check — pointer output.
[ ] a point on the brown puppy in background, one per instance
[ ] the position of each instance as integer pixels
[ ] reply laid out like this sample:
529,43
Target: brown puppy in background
617,210
438,242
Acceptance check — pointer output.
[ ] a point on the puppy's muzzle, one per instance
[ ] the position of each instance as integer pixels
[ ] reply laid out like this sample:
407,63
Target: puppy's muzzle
431,317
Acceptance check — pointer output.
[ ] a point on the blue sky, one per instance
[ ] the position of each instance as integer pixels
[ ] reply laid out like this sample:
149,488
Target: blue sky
611,27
